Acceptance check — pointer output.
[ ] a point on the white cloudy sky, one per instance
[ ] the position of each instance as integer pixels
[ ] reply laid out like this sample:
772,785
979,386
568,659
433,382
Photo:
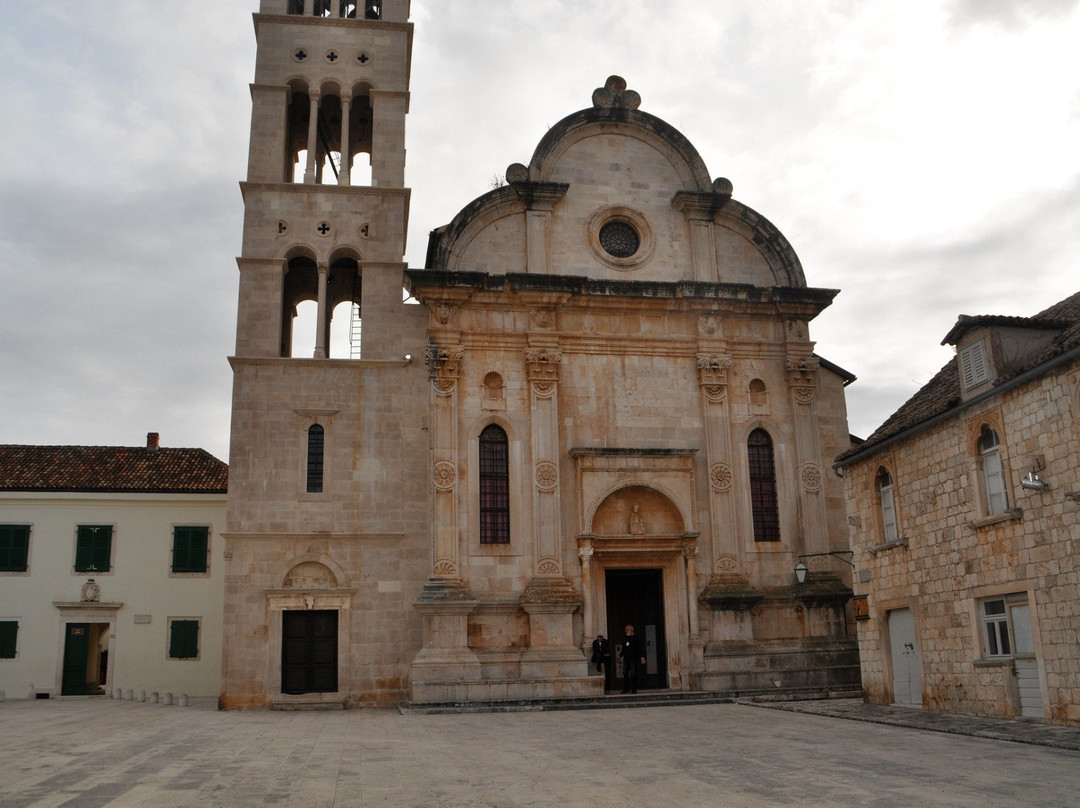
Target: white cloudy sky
923,157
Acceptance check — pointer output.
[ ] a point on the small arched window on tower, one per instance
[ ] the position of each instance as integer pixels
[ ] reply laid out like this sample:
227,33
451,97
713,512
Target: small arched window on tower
887,499
316,442
494,486
373,9
992,471
296,6
763,499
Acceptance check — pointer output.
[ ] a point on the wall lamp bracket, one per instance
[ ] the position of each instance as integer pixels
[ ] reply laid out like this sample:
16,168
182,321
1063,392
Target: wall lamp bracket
801,568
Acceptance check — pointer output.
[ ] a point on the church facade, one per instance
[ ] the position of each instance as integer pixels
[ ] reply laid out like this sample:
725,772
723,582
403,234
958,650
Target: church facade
606,409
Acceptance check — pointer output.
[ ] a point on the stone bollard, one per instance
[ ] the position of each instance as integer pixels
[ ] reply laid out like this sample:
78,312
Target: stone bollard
153,697
129,695
183,699
142,696
168,698
118,694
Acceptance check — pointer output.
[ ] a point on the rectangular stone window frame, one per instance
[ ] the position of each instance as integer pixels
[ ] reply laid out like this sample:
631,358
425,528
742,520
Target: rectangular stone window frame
89,539
15,549
184,639
1014,595
183,534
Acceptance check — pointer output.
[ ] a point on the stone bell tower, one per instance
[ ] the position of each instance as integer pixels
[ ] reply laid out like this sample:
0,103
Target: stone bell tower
328,407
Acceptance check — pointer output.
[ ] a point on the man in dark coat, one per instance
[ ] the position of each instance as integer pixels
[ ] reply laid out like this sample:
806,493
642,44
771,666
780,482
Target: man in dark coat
601,658
633,654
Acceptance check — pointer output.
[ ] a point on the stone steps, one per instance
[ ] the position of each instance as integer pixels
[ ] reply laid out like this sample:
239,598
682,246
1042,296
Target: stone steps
644,698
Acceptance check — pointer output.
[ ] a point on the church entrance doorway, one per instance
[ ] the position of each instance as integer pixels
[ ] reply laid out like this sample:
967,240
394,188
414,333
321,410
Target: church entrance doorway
636,597
309,651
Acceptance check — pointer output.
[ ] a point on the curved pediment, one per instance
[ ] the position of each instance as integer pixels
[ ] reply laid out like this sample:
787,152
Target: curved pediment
615,193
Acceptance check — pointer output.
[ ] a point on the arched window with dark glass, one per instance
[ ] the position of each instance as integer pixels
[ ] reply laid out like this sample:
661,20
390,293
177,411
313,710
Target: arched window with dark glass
494,486
315,448
763,499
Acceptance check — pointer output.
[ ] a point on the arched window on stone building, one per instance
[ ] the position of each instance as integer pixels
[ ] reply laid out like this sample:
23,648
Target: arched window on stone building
763,499
887,499
992,471
494,486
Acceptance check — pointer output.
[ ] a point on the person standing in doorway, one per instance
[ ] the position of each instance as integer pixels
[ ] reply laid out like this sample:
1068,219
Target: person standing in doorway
632,656
601,658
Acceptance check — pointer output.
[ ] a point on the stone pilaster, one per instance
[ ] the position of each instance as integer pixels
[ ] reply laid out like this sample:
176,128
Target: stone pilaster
802,387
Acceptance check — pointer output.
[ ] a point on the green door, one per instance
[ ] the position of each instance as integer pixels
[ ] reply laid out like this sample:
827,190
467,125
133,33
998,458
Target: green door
76,652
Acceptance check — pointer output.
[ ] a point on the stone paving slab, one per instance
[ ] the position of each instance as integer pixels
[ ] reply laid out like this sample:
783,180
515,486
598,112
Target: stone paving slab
109,754
1017,730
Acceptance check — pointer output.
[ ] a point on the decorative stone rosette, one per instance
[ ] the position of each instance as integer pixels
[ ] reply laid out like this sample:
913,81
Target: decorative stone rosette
444,475
810,474
547,475
720,477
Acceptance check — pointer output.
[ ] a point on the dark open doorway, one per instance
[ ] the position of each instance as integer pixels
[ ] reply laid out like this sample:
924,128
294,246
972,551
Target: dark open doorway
636,597
86,649
309,651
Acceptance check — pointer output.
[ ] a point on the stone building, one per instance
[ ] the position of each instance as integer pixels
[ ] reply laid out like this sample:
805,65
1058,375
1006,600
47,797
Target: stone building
111,570
606,409
964,525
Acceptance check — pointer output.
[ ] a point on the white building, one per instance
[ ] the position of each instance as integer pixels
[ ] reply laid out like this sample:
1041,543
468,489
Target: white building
111,573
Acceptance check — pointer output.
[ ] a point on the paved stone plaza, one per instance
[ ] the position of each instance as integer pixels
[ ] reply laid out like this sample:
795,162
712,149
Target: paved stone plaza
90,753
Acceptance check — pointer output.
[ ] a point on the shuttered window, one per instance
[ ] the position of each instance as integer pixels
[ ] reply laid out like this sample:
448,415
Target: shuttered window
9,632
183,639
14,547
189,548
974,367
93,548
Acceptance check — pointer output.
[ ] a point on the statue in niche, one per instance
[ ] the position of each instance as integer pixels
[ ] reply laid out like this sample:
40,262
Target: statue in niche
637,521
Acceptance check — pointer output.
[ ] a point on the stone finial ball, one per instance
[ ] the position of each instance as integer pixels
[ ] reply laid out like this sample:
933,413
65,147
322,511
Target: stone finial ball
723,186
516,172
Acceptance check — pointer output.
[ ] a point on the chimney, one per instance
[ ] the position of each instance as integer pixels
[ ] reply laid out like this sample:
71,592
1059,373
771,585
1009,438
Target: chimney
152,441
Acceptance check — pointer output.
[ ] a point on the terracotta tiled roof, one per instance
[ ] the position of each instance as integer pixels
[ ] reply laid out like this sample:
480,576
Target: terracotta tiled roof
117,469
942,393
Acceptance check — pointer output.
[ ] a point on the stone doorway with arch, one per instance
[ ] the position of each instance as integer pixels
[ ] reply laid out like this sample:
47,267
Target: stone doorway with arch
638,553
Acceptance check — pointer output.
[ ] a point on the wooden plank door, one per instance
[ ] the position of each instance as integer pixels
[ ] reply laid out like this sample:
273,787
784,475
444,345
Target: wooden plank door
76,656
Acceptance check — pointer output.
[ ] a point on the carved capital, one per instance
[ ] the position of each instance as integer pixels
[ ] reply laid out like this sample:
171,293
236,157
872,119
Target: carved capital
712,369
444,365
542,369
802,372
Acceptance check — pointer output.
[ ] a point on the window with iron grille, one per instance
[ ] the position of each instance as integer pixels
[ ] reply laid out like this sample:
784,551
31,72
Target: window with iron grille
494,486
763,499
316,438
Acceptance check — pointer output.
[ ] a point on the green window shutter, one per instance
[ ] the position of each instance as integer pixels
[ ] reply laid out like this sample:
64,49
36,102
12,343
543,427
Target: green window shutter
184,639
14,547
189,548
93,548
9,630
